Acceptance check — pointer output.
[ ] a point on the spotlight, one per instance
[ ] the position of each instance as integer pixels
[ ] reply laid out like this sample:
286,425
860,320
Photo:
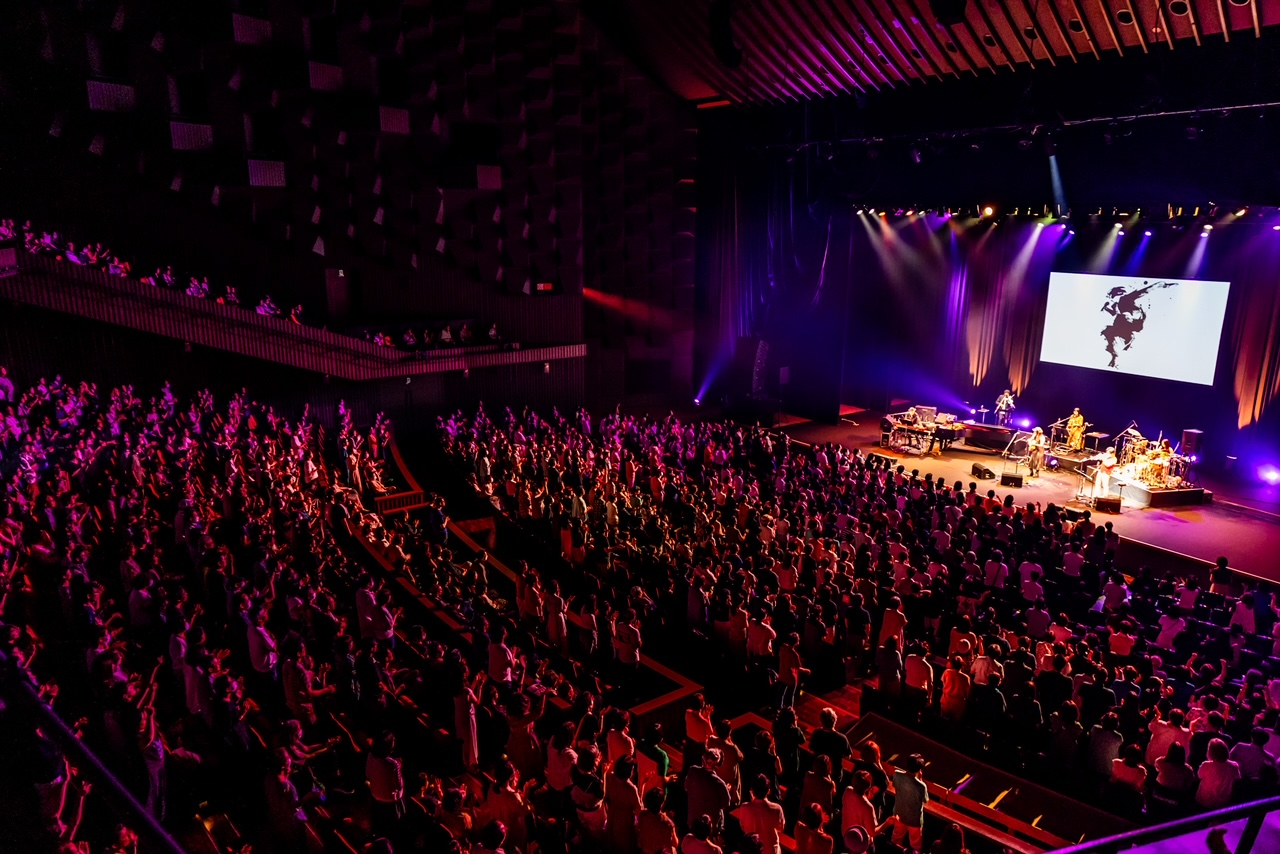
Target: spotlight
697,401
1026,423
1270,475
973,412
1039,225
1208,227
1194,458
1204,234
1122,232
911,212
1275,228
1242,212
988,211
1071,231
1147,233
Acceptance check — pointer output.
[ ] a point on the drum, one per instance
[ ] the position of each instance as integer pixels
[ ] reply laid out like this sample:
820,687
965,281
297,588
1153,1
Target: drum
1155,473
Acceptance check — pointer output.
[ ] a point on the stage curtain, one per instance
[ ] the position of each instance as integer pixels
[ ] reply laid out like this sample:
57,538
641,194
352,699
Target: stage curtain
1004,269
1256,331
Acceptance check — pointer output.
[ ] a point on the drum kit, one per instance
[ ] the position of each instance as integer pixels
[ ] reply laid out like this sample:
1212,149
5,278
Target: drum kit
1151,462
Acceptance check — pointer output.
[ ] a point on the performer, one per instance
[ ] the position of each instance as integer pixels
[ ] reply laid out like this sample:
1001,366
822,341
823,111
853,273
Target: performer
1036,446
1004,408
1102,478
909,417
1075,430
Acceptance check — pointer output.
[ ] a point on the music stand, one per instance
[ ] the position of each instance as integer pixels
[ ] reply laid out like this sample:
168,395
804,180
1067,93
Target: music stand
1017,459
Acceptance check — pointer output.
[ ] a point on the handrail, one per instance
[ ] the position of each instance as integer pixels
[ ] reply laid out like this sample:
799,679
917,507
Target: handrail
89,292
1254,811
18,690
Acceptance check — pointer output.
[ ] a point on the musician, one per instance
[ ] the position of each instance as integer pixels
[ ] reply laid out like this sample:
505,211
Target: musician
1036,446
1102,477
1004,408
910,417
1075,430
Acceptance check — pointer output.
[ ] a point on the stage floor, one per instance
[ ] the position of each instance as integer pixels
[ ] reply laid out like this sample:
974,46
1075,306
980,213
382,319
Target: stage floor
1238,527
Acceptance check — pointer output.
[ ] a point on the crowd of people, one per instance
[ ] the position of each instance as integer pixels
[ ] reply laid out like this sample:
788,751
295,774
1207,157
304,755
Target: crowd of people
1007,628
179,582
444,338
101,257
204,590
97,256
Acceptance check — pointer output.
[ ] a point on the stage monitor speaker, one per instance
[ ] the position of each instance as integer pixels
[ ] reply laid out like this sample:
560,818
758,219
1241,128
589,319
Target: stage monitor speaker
1074,510
1109,504
981,472
1011,479
1191,442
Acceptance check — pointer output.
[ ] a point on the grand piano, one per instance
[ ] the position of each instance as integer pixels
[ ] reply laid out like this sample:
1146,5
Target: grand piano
931,429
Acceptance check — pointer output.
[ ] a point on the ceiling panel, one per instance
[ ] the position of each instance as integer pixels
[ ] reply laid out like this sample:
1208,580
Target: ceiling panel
796,50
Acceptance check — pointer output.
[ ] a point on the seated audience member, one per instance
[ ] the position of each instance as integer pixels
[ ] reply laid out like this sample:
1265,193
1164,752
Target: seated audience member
1218,776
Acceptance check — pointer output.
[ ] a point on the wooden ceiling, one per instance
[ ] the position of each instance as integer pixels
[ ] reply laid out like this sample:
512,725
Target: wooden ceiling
795,50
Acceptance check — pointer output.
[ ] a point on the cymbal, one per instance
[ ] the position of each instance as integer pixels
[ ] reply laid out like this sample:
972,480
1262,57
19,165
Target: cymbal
983,409
1097,435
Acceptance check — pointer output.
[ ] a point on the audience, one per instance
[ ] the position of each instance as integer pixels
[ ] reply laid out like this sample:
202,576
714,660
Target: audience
208,589
96,255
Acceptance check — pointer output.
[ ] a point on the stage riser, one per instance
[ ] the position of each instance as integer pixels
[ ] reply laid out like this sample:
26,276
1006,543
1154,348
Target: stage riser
1143,497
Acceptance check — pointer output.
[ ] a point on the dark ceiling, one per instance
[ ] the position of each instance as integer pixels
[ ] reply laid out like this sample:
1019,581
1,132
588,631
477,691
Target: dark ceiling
799,50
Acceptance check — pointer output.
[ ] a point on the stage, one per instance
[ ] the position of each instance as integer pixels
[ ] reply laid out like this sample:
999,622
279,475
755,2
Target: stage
1236,526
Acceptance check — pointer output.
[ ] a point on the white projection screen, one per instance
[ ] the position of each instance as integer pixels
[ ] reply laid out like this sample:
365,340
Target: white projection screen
1153,327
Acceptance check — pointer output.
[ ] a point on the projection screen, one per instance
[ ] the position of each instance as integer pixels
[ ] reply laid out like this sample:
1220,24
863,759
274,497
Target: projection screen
1152,327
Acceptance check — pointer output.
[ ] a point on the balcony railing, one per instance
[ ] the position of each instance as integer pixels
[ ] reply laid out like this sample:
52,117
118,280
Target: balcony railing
46,282
1243,824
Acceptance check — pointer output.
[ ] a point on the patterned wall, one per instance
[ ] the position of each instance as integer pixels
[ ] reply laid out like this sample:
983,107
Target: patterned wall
456,153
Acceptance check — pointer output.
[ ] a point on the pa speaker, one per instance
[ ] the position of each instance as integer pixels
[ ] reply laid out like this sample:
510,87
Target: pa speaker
1109,504
1011,479
1191,441
758,376
722,34
981,472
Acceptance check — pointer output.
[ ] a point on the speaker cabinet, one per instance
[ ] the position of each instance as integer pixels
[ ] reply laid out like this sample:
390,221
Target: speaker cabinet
981,472
1110,504
1191,441
1011,479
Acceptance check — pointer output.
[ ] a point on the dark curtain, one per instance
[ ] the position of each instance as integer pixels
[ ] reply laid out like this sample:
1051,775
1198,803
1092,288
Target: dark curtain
774,264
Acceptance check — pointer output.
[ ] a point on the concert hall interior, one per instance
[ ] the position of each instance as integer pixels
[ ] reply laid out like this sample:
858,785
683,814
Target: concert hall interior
659,426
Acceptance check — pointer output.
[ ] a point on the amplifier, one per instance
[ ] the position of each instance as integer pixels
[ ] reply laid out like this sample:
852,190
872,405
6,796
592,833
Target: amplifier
1011,479
981,472
1110,504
